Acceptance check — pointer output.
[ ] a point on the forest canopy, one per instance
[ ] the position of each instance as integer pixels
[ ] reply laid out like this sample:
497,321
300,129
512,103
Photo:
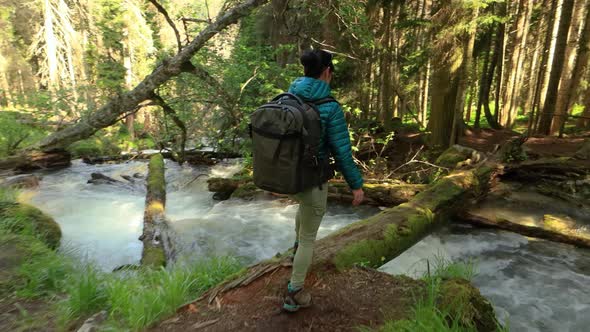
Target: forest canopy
442,68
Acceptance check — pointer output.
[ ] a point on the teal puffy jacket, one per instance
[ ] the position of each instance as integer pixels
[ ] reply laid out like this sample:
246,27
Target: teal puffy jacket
335,137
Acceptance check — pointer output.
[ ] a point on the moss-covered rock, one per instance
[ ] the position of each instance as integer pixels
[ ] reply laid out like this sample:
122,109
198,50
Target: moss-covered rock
27,219
465,304
247,191
222,185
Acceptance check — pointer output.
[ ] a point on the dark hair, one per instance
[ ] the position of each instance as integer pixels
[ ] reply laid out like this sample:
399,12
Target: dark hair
315,62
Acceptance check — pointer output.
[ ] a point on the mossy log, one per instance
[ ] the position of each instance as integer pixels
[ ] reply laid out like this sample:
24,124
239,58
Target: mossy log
35,160
378,239
157,245
379,194
192,157
558,169
23,218
553,228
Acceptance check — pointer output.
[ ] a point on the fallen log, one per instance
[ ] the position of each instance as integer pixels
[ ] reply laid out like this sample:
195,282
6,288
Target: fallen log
36,160
157,243
558,169
553,229
377,194
192,157
378,239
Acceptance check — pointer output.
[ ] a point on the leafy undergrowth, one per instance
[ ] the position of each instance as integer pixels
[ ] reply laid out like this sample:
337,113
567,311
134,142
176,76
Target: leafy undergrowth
428,315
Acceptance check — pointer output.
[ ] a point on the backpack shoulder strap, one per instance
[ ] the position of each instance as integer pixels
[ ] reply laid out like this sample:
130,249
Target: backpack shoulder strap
326,100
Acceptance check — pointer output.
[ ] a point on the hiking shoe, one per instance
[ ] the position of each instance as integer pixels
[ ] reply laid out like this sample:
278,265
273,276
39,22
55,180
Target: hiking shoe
296,299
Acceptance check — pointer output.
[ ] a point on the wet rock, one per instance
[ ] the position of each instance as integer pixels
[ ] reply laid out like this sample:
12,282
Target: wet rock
218,185
139,176
99,178
93,323
21,181
222,196
128,178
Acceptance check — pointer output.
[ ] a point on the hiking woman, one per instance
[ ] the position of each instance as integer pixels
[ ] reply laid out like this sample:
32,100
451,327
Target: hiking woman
335,142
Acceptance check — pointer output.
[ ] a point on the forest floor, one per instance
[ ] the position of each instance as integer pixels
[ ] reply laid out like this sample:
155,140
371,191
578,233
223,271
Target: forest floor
342,302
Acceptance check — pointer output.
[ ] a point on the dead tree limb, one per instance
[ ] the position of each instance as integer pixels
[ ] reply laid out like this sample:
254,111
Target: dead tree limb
177,121
171,67
164,13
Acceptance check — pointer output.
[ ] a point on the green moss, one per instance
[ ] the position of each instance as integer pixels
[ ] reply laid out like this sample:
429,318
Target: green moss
28,220
153,257
443,192
395,239
451,157
465,304
156,177
94,147
246,191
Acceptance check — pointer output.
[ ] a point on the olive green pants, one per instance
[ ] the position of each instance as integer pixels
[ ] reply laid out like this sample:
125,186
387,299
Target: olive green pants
312,207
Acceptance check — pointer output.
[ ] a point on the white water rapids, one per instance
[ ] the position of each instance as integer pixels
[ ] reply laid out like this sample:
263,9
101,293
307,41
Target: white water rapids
534,285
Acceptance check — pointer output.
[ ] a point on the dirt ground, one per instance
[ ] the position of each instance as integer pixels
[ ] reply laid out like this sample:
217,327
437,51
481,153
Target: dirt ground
341,302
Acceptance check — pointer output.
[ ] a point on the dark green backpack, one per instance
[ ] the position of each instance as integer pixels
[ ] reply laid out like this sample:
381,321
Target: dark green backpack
286,135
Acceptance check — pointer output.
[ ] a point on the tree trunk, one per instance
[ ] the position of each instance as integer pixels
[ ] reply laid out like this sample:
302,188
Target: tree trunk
157,245
501,48
512,91
556,68
584,121
542,75
468,45
446,78
569,86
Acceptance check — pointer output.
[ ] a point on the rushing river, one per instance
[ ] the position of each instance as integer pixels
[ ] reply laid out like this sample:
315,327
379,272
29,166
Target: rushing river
534,285
101,223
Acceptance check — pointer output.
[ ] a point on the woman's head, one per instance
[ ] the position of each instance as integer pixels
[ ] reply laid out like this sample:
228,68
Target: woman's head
317,64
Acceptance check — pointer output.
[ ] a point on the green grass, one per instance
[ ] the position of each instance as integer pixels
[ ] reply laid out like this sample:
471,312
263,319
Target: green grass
133,299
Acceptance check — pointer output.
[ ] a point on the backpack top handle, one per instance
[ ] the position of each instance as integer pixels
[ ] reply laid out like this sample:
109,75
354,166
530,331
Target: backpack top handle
290,95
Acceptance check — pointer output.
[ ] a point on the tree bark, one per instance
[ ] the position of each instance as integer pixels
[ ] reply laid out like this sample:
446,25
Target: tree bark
556,68
541,79
446,77
569,87
512,91
127,102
